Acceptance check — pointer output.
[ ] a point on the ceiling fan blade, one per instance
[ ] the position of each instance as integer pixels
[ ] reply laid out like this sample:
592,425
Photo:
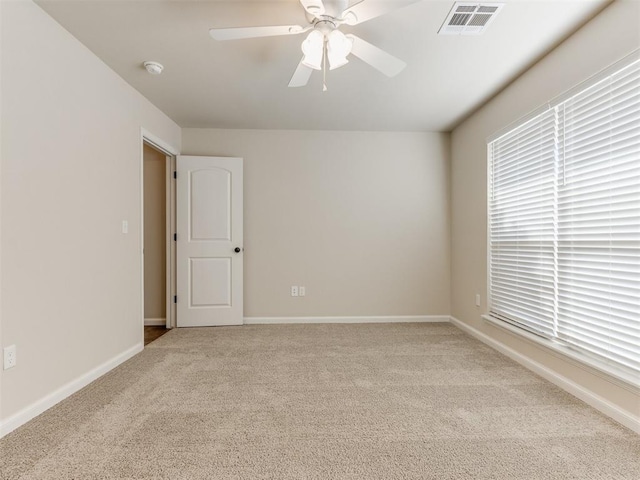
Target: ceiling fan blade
255,32
313,7
368,9
377,58
301,76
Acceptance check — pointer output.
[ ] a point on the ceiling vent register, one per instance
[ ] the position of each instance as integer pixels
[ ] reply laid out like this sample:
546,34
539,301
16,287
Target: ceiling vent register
469,18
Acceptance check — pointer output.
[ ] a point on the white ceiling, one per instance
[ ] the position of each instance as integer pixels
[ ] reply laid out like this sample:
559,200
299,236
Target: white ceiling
243,83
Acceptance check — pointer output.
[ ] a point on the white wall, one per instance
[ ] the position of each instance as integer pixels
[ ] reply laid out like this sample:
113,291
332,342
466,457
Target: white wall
71,152
361,219
606,39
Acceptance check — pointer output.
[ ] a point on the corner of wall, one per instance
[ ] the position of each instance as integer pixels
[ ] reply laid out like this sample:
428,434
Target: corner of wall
36,408
629,419
582,55
94,151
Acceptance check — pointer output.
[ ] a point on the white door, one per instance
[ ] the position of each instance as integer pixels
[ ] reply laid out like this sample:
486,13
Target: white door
209,246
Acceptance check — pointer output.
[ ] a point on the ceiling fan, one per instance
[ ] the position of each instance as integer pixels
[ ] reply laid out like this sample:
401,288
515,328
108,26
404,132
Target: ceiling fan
325,42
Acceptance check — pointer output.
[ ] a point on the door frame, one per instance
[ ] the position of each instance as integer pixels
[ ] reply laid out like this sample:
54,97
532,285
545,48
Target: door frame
171,153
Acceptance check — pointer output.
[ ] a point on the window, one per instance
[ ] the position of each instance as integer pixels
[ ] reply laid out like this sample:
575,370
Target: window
564,222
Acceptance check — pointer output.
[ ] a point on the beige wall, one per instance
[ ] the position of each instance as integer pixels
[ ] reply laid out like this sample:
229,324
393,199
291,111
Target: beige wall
361,219
71,154
609,37
155,234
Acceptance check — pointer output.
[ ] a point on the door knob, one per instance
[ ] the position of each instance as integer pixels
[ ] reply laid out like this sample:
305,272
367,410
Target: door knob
237,249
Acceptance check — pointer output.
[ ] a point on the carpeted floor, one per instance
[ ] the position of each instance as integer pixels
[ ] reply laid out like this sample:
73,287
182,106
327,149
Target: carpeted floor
396,401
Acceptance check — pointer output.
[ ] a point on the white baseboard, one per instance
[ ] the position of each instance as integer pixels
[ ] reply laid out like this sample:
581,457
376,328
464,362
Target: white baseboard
579,391
155,322
36,408
394,319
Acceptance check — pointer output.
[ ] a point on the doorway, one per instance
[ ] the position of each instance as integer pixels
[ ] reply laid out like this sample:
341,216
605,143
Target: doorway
158,251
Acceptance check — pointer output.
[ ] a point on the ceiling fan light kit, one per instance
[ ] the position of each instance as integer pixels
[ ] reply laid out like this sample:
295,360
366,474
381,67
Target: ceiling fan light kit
326,42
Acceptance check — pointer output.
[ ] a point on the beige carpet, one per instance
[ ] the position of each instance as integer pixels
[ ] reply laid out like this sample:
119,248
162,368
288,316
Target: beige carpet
402,401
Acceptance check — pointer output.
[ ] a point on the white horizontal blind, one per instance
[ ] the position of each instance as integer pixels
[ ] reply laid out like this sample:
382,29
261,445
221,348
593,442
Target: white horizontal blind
599,220
522,225
564,227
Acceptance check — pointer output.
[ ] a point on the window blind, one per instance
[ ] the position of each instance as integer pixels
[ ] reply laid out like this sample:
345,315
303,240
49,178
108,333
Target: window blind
522,225
564,222
599,219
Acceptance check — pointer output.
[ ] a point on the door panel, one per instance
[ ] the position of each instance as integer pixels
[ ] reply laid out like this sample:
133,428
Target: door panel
210,187
209,218
210,280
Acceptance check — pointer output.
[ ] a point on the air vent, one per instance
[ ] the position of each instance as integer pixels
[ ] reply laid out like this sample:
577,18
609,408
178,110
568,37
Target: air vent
469,18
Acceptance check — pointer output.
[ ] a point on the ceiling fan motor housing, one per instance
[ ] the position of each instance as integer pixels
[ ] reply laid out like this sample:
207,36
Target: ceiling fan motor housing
325,26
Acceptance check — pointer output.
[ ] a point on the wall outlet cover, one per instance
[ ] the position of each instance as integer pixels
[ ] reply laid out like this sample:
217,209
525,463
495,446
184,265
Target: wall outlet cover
10,357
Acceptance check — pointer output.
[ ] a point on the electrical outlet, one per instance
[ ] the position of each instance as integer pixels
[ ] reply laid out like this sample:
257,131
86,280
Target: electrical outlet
302,291
477,299
294,291
10,357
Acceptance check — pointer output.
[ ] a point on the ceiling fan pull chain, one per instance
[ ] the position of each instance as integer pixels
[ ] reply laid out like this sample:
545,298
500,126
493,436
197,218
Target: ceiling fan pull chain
324,67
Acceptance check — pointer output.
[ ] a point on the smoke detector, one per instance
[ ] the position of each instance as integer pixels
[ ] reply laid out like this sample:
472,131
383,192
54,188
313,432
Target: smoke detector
469,18
154,68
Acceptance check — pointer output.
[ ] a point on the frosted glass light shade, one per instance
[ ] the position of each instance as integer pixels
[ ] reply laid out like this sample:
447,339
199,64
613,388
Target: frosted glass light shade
313,49
338,47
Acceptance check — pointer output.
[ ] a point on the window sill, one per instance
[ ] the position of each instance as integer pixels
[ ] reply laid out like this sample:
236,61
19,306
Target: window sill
621,378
